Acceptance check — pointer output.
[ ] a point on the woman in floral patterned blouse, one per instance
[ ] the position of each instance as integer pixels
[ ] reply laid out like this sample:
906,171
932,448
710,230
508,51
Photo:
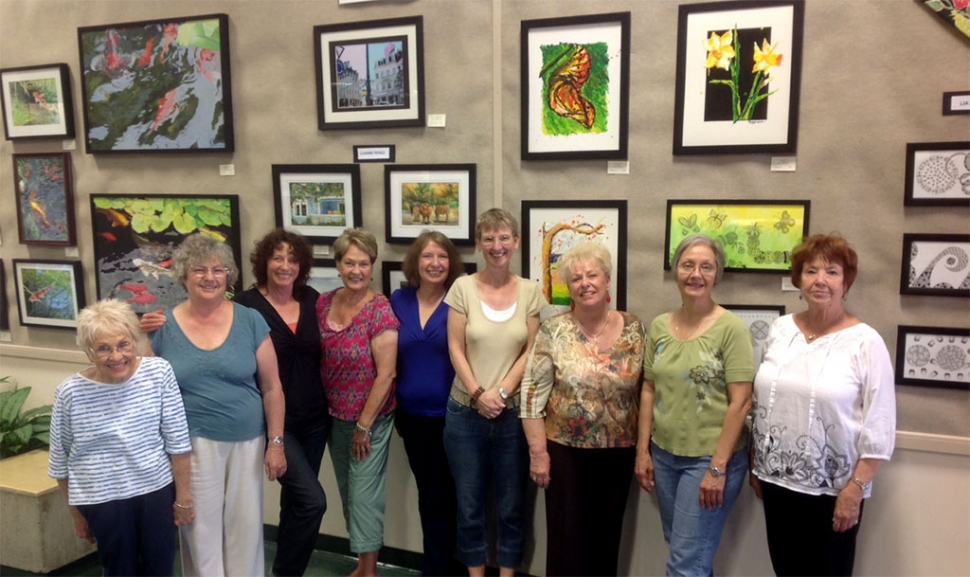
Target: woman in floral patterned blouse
580,392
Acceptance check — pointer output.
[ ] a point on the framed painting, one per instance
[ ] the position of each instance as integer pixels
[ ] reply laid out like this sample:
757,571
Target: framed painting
370,74
933,357
4,305
550,228
50,293
420,197
756,236
157,86
738,77
37,102
392,274
45,199
936,265
135,236
759,319
937,174
324,275
575,87
318,201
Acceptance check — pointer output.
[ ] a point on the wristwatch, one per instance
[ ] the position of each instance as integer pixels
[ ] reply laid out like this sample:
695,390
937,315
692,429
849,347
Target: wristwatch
715,472
277,441
505,396
863,486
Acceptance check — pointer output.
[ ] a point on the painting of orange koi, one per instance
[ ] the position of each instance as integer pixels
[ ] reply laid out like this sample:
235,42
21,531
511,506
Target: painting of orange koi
167,107
116,218
40,293
38,209
146,57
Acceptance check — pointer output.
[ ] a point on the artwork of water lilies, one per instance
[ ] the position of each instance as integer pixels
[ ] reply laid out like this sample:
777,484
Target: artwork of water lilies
318,201
158,85
45,201
49,293
744,69
136,235
434,196
37,102
756,236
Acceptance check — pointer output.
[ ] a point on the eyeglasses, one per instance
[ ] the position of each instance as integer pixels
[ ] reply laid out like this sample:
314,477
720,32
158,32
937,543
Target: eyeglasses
493,240
705,268
217,272
105,351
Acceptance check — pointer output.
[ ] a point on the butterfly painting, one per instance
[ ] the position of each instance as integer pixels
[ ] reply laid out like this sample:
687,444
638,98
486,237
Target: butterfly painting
566,87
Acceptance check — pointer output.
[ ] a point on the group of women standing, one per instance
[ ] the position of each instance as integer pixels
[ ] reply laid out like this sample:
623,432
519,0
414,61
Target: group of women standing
484,397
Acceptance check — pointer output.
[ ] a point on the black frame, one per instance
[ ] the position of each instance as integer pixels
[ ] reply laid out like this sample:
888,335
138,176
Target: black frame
948,97
4,304
467,221
66,96
914,147
356,212
963,334
528,76
78,291
69,212
909,239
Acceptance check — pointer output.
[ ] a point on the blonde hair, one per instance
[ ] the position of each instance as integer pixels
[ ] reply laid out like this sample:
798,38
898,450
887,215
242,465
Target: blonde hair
593,251
106,319
362,239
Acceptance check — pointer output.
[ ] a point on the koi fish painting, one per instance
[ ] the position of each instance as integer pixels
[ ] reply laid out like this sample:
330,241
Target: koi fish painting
45,200
37,102
50,293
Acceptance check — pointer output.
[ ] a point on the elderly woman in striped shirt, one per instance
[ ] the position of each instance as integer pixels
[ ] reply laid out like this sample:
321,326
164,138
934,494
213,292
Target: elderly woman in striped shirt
119,447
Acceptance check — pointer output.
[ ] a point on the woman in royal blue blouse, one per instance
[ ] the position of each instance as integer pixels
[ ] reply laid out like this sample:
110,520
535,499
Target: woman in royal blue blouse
424,377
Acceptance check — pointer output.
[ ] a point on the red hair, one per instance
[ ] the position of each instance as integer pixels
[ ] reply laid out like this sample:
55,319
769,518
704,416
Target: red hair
831,248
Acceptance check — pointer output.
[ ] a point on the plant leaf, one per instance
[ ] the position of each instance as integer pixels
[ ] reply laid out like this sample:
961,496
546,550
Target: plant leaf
11,406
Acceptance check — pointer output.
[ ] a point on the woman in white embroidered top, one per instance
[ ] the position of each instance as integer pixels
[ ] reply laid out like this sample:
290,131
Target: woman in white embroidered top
824,417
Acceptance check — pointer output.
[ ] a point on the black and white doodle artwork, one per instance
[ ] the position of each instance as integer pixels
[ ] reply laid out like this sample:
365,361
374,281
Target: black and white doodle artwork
942,174
942,359
939,265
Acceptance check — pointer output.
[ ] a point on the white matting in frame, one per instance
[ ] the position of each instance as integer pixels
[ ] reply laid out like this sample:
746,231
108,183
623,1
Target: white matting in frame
933,356
324,276
314,222
759,319
405,225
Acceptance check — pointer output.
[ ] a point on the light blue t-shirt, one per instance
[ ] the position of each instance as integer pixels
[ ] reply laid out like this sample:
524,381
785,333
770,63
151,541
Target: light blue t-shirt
222,398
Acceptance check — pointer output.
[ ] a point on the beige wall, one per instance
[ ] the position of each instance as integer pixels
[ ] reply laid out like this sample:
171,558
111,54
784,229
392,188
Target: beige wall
872,80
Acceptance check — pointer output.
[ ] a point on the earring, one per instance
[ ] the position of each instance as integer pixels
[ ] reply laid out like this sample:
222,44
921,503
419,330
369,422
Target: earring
609,299
572,306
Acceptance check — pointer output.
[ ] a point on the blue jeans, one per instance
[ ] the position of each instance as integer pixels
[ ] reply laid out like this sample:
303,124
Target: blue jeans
692,533
481,451
302,500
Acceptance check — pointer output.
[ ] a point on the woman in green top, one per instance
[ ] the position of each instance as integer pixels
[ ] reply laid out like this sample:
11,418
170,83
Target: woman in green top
698,366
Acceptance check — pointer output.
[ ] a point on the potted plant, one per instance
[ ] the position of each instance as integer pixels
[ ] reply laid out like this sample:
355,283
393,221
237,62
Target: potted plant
22,431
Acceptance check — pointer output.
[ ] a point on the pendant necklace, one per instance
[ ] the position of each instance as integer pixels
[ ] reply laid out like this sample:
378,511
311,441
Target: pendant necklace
595,338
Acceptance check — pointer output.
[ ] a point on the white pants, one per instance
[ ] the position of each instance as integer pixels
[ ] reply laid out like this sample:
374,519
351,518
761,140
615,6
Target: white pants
226,537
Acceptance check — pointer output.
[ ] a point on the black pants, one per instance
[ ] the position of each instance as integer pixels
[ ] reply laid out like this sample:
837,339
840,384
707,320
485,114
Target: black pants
302,500
437,503
585,502
800,536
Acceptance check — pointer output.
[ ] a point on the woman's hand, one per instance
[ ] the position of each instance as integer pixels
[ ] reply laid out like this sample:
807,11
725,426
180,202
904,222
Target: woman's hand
755,483
644,470
711,494
847,508
81,528
539,468
151,322
275,461
184,512
360,447
490,404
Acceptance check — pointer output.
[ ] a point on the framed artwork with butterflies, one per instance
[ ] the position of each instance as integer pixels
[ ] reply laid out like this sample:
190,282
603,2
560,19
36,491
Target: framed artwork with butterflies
937,174
933,356
935,265
575,87
370,74
738,77
756,236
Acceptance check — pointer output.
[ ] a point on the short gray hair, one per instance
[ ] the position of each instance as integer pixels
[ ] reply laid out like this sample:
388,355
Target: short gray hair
105,319
707,241
583,251
197,249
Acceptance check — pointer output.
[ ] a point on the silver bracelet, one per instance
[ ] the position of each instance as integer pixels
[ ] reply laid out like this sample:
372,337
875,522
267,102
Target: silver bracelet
364,430
181,506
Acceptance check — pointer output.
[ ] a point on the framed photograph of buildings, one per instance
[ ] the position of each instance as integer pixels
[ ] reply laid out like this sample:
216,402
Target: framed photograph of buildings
318,201
937,174
50,293
37,102
758,319
738,77
420,197
45,199
575,87
936,265
933,356
370,74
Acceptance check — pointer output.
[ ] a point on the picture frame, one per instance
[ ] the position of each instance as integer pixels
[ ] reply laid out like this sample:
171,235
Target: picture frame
575,82
419,197
937,174
550,228
4,304
935,265
318,201
135,236
157,86
324,275
44,191
757,236
717,110
933,356
37,102
392,275
759,319
957,102
50,293
390,55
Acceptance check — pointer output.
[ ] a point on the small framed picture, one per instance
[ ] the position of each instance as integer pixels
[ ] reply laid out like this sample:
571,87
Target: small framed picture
758,319
157,86
936,265
50,293
419,197
4,304
933,357
575,87
324,275
738,77
937,174
392,273
37,102
370,74
956,102
318,201
45,199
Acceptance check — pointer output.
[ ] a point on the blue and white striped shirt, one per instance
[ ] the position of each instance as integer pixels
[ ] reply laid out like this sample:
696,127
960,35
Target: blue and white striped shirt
113,442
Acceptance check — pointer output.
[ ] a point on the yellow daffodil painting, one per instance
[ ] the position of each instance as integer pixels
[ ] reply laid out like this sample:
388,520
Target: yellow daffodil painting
744,74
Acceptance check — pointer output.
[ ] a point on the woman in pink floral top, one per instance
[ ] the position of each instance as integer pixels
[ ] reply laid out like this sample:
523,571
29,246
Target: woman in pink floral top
580,392
358,334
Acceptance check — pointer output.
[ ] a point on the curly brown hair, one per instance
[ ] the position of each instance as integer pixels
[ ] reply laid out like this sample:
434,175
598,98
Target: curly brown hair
275,239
